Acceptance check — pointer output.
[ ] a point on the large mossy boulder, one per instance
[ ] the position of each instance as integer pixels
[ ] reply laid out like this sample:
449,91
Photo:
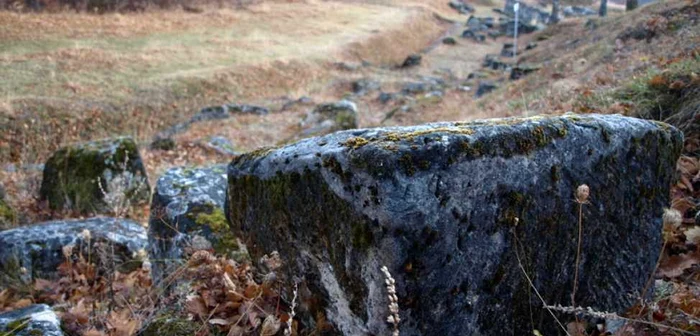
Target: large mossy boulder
441,206
30,321
330,117
94,177
36,251
187,214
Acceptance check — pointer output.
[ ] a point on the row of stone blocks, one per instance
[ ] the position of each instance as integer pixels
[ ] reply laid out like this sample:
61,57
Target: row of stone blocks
458,212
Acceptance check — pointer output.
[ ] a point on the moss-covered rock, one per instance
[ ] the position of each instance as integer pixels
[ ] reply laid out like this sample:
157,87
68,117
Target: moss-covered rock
89,177
35,251
330,117
187,214
171,325
438,203
30,321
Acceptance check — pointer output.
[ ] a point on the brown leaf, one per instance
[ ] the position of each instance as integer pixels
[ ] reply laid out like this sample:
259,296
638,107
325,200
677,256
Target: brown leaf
22,303
196,306
270,326
675,265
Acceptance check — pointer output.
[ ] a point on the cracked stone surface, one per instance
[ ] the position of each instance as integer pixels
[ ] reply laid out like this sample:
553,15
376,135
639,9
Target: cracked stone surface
35,251
449,208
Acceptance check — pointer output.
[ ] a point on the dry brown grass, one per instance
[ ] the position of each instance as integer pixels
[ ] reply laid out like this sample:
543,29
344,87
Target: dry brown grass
74,77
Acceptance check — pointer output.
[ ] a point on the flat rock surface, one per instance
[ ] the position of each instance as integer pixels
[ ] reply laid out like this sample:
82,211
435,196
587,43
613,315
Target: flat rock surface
35,251
453,210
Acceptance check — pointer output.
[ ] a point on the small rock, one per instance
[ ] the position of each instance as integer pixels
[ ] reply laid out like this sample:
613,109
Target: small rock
187,202
476,75
221,145
31,252
95,177
493,62
461,7
470,34
449,40
485,87
415,88
385,97
165,143
494,34
578,11
522,70
330,117
412,60
38,319
363,86
530,46
508,50
225,111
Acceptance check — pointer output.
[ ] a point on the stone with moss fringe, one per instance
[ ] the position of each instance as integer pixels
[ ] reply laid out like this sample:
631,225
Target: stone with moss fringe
34,320
187,208
330,117
35,251
95,177
441,206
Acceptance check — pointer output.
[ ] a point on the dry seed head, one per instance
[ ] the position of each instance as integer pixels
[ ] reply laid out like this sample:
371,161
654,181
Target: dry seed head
672,217
86,235
582,193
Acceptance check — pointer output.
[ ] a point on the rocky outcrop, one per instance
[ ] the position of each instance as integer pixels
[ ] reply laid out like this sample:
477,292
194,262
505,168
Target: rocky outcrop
411,61
91,177
330,117
187,215
35,251
30,321
453,210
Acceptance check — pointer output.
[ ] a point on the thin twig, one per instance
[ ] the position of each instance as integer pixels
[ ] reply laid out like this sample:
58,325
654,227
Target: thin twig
544,303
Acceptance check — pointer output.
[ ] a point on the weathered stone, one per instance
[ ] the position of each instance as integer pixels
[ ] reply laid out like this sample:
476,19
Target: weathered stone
495,63
363,86
578,11
164,143
386,97
220,112
221,145
485,87
438,205
187,203
449,40
330,117
89,177
508,50
225,111
34,320
412,60
461,7
35,251
522,70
